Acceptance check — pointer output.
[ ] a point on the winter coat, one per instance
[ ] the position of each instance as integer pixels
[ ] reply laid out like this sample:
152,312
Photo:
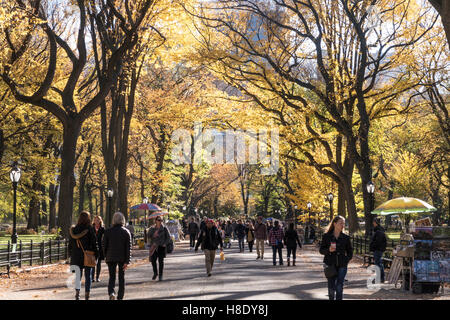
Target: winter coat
86,235
228,230
193,228
343,253
261,231
378,241
117,244
291,239
209,239
99,235
240,231
162,239
250,234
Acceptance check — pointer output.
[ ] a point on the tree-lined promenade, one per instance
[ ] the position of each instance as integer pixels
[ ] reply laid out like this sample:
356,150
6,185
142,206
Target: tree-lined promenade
92,94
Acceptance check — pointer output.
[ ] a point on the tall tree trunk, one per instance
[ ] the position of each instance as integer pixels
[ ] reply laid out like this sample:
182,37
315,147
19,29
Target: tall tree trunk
52,192
341,200
67,184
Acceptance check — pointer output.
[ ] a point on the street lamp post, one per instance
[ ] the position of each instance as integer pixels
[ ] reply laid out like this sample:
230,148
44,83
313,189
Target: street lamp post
15,177
145,201
309,212
330,199
109,194
371,191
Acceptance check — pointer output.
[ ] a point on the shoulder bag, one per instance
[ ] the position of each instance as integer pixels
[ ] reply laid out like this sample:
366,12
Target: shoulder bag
89,256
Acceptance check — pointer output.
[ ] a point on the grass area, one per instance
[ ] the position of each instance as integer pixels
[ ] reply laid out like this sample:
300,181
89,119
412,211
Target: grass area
28,238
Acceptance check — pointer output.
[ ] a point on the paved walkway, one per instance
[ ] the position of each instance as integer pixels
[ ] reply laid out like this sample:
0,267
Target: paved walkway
239,277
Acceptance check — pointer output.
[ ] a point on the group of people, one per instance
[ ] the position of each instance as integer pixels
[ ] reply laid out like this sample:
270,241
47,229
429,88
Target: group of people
253,232
114,246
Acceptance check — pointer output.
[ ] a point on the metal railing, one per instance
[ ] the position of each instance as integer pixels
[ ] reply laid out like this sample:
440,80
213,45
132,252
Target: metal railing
33,253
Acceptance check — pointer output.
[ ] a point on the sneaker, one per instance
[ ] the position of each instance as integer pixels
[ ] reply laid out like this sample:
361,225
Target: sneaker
112,297
257,257
154,276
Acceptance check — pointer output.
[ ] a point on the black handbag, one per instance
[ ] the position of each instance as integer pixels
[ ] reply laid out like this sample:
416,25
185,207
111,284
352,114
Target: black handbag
330,271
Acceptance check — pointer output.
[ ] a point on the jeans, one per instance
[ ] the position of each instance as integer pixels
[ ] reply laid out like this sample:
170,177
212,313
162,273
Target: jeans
278,248
336,285
241,244
192,237
291,250
250,245
159,255
87,281
96,270
112,279
377,257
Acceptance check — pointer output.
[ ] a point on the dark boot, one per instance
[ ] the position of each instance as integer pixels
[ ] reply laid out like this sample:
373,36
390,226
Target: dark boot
86,295
289,262
161,267
293,263
77,294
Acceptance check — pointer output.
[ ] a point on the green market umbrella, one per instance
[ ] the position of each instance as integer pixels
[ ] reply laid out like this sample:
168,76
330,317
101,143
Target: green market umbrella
403,205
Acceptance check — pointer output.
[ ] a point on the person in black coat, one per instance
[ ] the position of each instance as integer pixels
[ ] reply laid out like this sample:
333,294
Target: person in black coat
117,250
193,231
240,233
337,250
209,240
99,230
290,240
378,246
82,237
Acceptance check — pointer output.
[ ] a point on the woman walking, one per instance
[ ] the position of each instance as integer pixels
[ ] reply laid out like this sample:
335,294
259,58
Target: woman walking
99,231
250,233
276,237
290,240
82,238
159,238
117,251
337,250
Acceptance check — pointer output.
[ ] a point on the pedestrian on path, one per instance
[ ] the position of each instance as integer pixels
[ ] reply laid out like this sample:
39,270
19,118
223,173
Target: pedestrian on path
228,234
130,228
209,240
337,250
290,240
276,237
250,233
82,238
117,251
234,225
99,229
193,230
159,238
261,237
203,223
378,246
240,233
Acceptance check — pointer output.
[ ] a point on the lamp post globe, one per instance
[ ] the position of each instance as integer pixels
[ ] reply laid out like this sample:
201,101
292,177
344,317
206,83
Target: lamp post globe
309,205
15,175
330,197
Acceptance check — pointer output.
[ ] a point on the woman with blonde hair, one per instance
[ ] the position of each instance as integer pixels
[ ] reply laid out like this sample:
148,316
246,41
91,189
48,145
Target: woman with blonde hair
337,250
99,229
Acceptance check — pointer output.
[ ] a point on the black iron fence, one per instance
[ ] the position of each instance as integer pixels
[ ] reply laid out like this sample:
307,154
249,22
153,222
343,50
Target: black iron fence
361,245
32,253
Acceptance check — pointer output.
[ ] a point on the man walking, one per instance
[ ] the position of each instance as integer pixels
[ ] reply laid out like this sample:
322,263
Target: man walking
261,237
240,233
193,230
276,236
209,240
378,246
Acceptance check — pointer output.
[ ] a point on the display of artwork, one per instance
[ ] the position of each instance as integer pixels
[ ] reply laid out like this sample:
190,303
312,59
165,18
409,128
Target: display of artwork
441,245
423,233
441,233
427,271
422,249
444,267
